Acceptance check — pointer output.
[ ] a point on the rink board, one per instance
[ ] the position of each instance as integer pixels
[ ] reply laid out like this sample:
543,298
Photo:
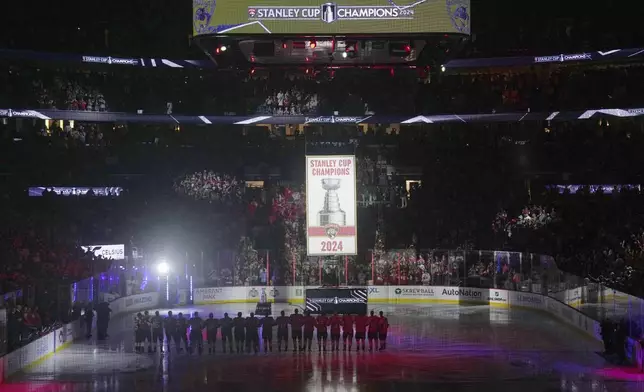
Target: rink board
46,346
403,295
376,294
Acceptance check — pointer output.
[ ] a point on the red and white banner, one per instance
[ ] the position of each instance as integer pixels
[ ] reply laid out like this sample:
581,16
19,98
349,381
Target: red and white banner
331,215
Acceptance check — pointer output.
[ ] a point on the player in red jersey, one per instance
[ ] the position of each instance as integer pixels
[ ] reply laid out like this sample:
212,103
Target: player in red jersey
296,330
321,324
309,326
336,322
372,323
347,330
361,328
383,327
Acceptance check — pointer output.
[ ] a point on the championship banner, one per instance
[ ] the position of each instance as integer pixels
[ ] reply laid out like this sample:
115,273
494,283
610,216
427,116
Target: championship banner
331,214
319,17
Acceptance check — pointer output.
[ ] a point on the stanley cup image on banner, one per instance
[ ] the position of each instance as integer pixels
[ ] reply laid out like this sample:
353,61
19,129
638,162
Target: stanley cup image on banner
331,216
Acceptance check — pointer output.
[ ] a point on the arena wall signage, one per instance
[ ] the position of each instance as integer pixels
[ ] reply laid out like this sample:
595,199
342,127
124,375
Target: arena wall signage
341,300
110,60
110,252
400,295
108,191
319,17
215,119
331,214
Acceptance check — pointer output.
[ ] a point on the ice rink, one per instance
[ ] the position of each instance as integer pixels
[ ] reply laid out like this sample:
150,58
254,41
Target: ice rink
430,348
615,309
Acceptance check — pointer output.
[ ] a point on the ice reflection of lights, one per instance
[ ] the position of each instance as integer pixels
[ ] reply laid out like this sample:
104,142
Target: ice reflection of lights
499,316
165,364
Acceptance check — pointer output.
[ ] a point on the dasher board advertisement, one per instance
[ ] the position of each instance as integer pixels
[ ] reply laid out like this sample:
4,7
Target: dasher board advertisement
319,17
340,300
109,252
331,215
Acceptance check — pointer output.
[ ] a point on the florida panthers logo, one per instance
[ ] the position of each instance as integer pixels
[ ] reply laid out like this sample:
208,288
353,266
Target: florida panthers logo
332,230
203,10
459,13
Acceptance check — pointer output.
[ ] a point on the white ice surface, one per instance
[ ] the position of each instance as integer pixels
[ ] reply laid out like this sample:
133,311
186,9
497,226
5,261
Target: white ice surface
434,344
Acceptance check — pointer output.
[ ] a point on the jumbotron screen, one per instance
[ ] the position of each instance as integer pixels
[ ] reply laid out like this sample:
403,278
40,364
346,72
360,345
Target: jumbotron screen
317,17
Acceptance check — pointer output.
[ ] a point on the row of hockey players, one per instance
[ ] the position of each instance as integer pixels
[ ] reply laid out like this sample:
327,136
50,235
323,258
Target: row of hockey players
243,331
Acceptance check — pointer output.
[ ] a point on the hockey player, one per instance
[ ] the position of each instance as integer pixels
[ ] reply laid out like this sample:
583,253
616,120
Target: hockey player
361,328
139,338
347,331
212,324
252,337
372,324
170,325
321,324
267,332
147,328
282,331
296,321
240,335
335,322
383,327
309,326
196,336
181,333
156,322
226,332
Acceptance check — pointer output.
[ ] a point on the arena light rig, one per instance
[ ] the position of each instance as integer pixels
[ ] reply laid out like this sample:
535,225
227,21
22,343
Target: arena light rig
163,268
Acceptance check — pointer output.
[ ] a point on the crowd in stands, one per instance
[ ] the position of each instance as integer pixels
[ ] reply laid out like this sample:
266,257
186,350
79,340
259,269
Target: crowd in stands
40,249
33,87
70,93
290,95
598,236
349,92
208,185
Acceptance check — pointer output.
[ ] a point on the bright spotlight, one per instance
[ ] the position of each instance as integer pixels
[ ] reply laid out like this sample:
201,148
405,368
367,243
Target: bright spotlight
442,68
223,48
163,268
344,55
